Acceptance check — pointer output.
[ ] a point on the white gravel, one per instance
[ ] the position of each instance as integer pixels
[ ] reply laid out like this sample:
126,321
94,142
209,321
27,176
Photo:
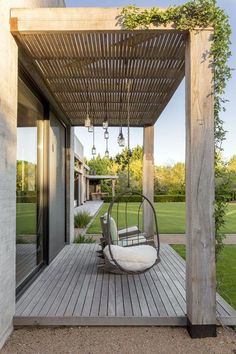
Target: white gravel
122,340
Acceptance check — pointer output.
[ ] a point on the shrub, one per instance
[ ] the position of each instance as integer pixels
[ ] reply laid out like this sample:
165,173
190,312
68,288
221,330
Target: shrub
84,239
169,198
81,219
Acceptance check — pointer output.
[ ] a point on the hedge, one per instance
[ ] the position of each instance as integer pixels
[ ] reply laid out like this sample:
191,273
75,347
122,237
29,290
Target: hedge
157,198
26,197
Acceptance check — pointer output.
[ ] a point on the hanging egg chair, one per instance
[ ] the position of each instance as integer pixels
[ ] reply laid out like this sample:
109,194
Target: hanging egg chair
129,250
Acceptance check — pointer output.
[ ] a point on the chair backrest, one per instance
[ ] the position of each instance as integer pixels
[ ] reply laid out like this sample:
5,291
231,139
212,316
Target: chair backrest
103,221
113,228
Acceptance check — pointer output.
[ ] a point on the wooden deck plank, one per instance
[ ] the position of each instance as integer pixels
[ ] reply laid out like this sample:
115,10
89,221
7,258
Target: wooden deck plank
31,298
79,282
83,289
168,289
126,296
63,288
111,310
167,304
48,292
104,296
49,271
72,290
142,300
149,296
119,296
134,296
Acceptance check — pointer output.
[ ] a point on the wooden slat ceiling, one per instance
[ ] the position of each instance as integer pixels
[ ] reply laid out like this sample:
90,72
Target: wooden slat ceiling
96,66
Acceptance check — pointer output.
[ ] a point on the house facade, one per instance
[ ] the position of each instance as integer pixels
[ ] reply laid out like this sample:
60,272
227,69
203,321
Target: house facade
55,64
34,175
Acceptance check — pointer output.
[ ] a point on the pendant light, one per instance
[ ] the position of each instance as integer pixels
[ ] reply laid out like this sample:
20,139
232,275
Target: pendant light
105,124
105,121
107,151
121,141
87,121
106,134
90,128
93,148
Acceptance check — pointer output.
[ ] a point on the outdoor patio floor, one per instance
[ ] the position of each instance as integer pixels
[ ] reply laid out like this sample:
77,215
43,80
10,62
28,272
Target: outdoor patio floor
73,291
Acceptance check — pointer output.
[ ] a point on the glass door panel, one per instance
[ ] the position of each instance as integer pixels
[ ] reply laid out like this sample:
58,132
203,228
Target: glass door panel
28,191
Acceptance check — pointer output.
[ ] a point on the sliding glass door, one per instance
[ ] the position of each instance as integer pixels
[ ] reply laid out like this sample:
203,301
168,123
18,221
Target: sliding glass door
29,180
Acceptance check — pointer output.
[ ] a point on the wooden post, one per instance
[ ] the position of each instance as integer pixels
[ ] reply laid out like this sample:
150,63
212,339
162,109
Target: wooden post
113,182
148,178
200,228
87,189
69,184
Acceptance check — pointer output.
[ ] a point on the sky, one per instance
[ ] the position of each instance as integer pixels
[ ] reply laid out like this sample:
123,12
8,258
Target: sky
170,127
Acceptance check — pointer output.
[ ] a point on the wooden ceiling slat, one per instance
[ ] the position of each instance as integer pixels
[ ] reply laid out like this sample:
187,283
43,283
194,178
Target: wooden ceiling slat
95,66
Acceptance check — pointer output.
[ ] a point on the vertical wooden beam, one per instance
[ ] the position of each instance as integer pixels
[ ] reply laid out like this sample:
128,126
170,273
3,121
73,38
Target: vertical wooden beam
113,182
87,189
69,184
148,178
200,227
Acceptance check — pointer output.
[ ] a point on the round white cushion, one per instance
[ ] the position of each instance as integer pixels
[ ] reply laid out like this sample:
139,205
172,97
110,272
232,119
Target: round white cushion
135,258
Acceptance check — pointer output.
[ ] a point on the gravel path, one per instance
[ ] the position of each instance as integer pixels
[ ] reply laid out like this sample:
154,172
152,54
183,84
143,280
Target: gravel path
122,340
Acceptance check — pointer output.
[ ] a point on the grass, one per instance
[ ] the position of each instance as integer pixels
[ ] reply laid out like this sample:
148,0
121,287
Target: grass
225,270
171,217
81,219
25,218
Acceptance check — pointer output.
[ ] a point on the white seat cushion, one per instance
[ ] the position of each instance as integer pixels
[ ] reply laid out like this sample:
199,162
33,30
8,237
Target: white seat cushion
136,258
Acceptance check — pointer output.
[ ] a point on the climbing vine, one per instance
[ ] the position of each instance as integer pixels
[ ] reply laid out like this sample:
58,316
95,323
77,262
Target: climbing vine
199,14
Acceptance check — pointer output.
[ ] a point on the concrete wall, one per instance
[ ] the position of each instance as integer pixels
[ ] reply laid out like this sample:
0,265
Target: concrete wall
78,149
8,118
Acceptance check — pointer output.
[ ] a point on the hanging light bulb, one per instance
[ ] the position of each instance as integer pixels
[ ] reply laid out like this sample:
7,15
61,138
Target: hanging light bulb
105,124
106,134
93,148
87,121
90,128
121,139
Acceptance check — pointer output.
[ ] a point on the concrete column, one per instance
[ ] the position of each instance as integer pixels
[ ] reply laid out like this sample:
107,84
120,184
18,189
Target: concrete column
8,123
70,184
148,178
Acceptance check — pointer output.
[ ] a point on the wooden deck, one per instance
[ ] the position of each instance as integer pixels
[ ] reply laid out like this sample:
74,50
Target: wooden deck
72,291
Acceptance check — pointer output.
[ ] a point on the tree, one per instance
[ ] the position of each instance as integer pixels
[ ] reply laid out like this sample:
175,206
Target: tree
232,164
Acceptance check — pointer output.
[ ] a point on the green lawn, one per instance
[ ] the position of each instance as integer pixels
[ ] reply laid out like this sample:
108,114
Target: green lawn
226,272
171,217
25,218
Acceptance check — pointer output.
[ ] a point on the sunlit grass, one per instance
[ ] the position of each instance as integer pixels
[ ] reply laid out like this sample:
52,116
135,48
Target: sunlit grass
171,217
226,272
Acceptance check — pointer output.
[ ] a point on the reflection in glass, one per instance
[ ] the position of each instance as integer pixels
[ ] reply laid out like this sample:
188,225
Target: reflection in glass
27,186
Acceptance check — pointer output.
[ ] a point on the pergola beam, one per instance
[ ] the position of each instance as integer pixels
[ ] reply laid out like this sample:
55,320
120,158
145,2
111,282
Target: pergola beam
68,20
